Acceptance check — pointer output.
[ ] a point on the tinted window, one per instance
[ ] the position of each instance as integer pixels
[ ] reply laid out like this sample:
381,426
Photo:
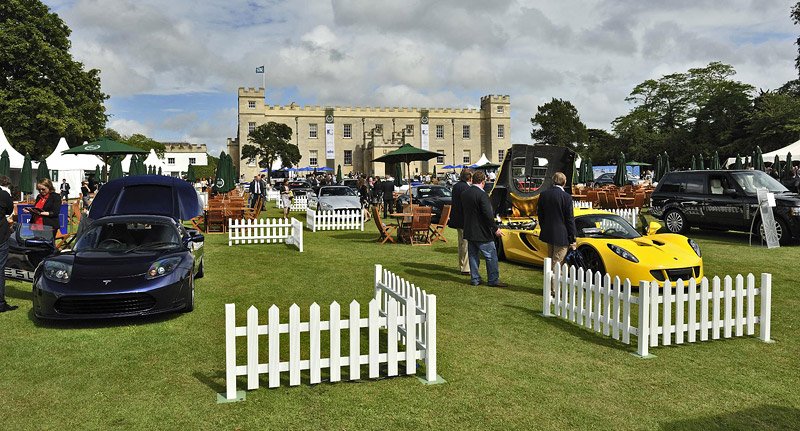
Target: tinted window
126,236
694,184
671,183
337,191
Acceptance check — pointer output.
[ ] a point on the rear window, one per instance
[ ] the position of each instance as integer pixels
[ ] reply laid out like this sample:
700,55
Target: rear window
694,184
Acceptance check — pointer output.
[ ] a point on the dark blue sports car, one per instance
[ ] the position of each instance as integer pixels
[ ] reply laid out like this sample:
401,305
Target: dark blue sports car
132,255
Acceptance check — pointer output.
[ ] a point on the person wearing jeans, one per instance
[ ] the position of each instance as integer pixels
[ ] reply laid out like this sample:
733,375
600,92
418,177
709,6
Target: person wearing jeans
6,208
480,230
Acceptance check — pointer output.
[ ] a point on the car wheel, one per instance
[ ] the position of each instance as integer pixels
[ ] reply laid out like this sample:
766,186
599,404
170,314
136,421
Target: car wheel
592,260
676,221
190,300
501,252
781,229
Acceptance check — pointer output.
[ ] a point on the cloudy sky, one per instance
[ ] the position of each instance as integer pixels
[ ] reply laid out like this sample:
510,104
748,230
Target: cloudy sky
172,67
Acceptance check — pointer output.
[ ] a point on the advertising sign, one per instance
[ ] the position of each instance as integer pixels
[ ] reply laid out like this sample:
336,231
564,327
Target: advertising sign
766,201
330,149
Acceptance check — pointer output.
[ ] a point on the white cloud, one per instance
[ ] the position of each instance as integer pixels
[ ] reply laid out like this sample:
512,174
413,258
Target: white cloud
420,53
129,127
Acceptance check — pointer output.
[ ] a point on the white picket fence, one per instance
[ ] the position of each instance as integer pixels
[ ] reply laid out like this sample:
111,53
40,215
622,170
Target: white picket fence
598,303
269,230
273,195
395,320
629,214
330,220
581,204
299,204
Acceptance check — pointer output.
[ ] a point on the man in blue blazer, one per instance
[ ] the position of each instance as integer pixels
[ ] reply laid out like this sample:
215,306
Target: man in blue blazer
480,230
556,219
457,218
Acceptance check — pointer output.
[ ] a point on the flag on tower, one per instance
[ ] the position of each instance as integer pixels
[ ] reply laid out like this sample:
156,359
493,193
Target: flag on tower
260,69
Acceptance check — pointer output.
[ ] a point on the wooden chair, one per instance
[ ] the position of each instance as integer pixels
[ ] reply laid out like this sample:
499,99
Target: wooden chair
62,240
420,228
75,217
437,230
216,220
638,200
593,197
386,230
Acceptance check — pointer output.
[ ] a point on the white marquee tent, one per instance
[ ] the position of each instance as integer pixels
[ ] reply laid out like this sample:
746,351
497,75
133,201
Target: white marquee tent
70,166
14,156
769,157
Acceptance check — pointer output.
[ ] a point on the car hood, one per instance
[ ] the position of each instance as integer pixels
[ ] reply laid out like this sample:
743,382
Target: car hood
787,199
104,265
147,194
658,251
341,202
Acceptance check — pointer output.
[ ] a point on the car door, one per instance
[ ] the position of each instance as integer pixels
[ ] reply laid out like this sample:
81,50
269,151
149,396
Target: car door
724,206
693,196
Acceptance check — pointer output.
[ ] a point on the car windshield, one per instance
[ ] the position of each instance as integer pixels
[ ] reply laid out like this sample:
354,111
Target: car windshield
749,181
337,191
433,192
128,237
604,226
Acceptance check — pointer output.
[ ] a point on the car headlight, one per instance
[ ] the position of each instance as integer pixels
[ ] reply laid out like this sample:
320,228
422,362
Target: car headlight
695,247
621,252
795,211
58,271
325,206
162,267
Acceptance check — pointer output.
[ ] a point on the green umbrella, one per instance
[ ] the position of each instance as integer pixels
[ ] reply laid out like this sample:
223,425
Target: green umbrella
776,165
42,172
222,177
694,164
788,165
97,173
105,148
434,171
25,183
659,168
398,175
620,176
738,163
666,163
231,173
116,169
581,171
159,171
715,161
190,175
758,160
338,174
104,173
589,170
5,164
407,153
702,164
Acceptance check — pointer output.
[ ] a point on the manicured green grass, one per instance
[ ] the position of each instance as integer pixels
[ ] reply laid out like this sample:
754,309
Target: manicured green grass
506,366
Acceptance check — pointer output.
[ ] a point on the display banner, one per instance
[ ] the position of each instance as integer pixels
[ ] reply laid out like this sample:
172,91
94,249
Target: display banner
423,130
766,201
330,148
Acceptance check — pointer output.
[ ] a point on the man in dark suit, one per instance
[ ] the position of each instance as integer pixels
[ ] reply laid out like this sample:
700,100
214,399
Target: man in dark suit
387,187
64,190
480,230
255,189
556,219
457,218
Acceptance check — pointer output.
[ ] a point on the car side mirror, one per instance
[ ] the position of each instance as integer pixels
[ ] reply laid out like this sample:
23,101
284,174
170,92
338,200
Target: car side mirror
653,228
198,237
38,243
730,192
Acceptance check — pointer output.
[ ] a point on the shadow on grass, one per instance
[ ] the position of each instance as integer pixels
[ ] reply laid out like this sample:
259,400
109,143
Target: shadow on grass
433,272
447,250
101,323
17,293
215,381
764,417
357,236
574,330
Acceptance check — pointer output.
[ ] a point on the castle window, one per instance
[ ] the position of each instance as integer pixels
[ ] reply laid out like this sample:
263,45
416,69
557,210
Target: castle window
192,160
501,131
440,157
409,130
251,126
440,131
466,158
171,160
312,158
499,109
348,157
465,131
312,131
348,131
251,104
501,154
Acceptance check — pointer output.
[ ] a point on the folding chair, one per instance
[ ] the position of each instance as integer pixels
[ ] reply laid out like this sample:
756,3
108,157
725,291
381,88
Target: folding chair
437,230
386,230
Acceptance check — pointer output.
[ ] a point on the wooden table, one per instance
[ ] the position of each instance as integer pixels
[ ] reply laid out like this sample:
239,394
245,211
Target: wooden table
624,202
403,230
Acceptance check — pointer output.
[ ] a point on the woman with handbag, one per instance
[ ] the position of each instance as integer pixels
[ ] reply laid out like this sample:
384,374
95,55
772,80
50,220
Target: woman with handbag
47,207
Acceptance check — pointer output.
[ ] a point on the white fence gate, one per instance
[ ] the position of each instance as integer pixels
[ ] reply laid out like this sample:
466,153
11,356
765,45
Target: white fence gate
330,220
594,301
299,204
274,230
395,319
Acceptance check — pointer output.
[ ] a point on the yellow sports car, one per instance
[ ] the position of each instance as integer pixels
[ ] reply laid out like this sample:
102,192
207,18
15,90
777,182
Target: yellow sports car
606,242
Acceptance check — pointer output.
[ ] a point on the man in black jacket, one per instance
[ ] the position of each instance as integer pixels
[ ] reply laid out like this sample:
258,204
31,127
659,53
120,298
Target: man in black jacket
256,188
480,230
388,195
556,219
64,190
457,218
6,208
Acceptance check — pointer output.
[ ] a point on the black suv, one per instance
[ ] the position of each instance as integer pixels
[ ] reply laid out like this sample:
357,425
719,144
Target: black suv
723,200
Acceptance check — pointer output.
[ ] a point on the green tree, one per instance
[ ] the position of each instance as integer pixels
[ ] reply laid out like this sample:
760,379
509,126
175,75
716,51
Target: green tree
557,123
141,141
44,93
603,147
774,122
270,142
208,170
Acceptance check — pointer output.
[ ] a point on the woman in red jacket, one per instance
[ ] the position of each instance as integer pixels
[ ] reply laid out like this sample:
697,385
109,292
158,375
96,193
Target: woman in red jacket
47,207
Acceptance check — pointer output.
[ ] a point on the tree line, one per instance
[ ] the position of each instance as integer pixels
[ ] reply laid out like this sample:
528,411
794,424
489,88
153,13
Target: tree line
693,113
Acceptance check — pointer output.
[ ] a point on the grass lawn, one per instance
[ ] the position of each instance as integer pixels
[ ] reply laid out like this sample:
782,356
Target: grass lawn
506,366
